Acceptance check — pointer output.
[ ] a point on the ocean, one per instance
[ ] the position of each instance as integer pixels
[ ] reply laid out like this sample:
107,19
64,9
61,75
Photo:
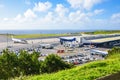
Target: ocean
41,31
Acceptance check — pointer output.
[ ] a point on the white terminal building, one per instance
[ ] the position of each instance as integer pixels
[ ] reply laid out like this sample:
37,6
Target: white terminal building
106,41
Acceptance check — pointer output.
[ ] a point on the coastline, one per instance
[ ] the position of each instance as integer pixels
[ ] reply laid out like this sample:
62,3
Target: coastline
54,31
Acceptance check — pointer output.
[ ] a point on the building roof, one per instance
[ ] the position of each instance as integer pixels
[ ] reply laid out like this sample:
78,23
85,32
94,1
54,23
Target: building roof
102,40
70,39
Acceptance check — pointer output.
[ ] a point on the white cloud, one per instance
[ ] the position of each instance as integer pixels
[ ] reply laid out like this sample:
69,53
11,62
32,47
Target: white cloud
42,7
83,4
19,18
5,19
74,15
27,2
88,4
115,19
116,16
29,14
75,3
79,16
61,17
61,10
49,17
98,11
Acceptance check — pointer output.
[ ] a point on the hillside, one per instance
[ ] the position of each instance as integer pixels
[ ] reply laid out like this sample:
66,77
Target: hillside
114,76
89,71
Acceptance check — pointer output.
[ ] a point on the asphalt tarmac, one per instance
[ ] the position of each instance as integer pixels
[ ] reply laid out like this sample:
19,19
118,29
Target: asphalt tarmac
4,38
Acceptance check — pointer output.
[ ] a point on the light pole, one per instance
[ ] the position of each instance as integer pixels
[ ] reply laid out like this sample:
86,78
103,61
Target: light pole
7,40
32,45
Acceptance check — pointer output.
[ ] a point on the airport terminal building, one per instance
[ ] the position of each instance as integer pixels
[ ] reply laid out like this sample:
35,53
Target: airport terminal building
106,41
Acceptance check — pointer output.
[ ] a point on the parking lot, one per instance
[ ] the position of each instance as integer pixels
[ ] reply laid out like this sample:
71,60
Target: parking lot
76,55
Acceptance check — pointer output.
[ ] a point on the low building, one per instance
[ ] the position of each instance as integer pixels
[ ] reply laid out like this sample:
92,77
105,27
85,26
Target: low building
107,41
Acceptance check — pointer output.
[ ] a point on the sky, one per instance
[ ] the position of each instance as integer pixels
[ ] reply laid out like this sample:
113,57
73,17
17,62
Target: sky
60,14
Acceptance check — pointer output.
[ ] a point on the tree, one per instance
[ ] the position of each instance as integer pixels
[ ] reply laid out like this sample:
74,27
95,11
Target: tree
114,51
12,65
8,64
54,63
35,64
29,63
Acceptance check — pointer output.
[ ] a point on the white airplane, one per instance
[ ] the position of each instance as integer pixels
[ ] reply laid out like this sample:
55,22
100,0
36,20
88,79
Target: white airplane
94,51
19,41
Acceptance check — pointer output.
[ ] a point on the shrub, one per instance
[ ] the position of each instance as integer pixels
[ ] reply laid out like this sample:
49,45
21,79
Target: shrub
113,53
54,63
8,65
12,65
29,63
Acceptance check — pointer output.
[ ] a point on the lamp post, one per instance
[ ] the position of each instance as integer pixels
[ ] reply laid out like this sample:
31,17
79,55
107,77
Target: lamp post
7,40
33,45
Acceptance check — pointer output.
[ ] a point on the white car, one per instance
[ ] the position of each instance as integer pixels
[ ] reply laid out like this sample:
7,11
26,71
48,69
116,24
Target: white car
46,46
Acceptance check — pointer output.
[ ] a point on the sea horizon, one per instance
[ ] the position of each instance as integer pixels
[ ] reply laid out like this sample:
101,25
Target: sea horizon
57,31
54,31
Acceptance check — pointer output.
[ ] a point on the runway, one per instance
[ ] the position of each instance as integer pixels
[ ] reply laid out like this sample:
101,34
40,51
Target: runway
32,43
4,38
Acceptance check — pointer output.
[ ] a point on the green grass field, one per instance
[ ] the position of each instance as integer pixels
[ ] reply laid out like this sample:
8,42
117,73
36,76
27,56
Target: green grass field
88,71
103,32
39,35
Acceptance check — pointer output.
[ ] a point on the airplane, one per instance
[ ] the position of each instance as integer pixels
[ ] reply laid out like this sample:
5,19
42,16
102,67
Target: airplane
94,51
19,41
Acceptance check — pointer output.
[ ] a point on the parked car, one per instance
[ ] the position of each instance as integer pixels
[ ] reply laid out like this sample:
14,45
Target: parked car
80,55
46,46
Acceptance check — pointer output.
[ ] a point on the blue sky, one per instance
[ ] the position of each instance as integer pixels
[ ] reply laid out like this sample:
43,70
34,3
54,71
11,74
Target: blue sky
59,14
